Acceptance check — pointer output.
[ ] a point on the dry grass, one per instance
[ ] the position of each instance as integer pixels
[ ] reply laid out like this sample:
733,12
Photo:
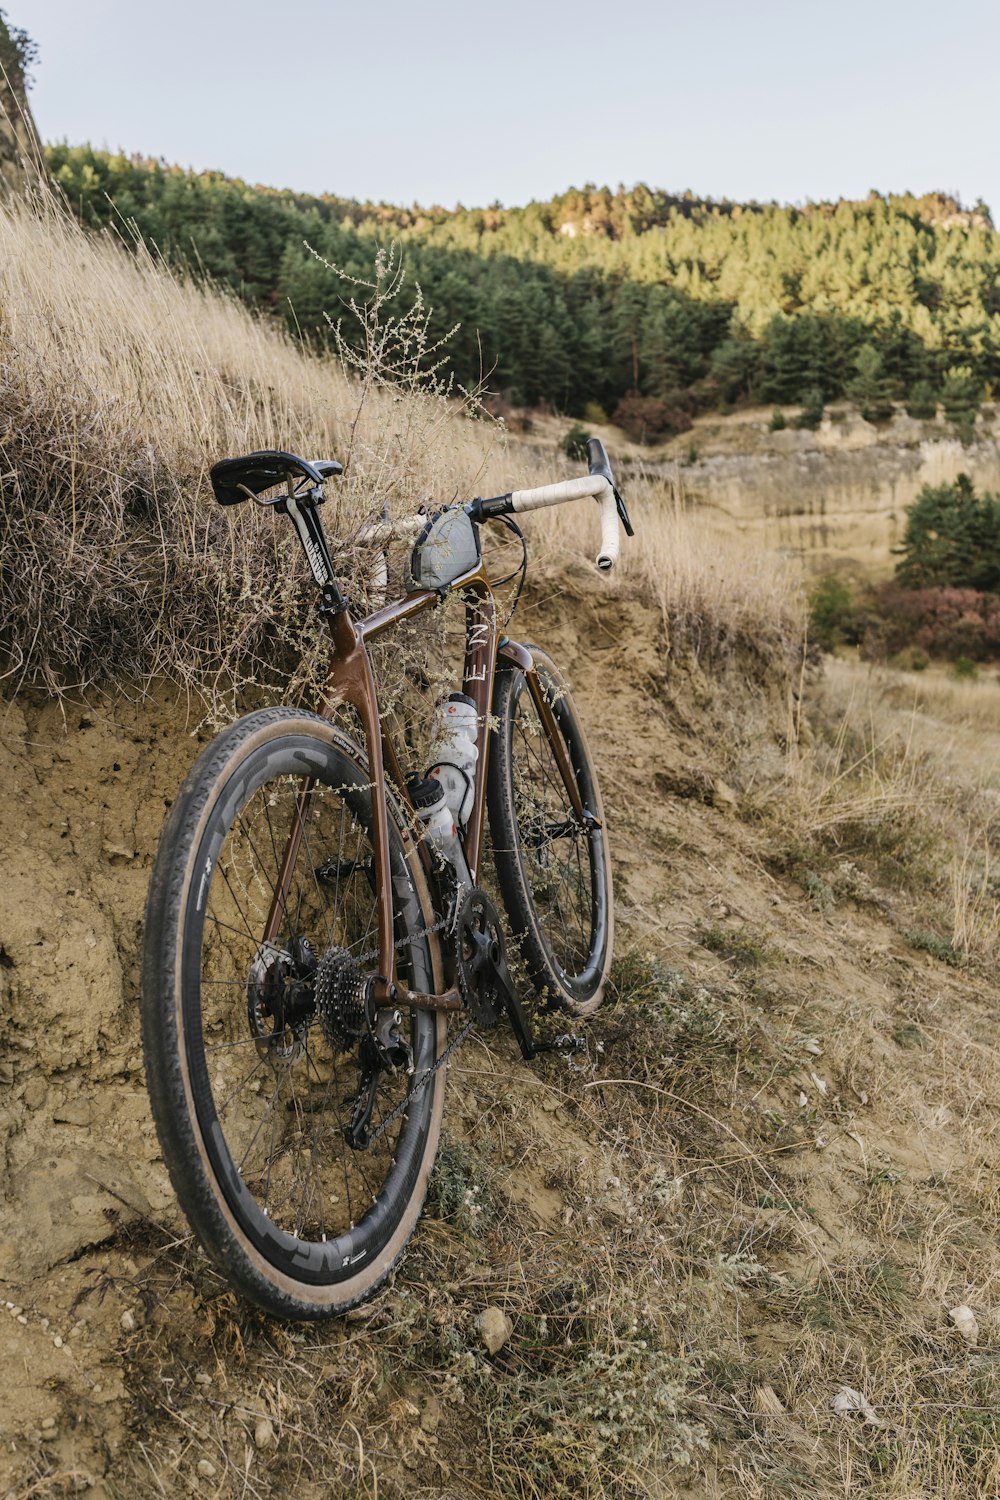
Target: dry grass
720,595
119,386
939,695
897,805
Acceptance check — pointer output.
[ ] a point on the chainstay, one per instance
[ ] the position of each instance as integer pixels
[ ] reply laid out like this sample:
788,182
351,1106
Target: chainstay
440,926
404,942
422,1083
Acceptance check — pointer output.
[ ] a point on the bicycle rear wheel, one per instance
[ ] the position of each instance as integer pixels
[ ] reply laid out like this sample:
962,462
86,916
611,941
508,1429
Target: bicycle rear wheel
553,867
258,1058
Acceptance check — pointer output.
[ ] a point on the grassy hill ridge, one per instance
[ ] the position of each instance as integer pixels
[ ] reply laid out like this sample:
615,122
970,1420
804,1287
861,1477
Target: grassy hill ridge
595,294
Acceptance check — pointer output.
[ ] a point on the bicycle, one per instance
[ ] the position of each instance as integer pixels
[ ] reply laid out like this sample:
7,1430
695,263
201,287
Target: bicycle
308,933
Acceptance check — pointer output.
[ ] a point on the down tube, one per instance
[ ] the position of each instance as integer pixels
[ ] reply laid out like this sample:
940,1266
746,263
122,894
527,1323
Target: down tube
481,634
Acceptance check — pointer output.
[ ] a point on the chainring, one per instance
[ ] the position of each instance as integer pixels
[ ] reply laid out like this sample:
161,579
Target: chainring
480,957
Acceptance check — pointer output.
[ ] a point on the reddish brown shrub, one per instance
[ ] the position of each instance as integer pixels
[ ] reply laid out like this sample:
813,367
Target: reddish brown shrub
943,622
646,418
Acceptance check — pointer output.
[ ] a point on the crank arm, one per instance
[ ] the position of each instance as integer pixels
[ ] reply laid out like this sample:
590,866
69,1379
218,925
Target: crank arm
568,1045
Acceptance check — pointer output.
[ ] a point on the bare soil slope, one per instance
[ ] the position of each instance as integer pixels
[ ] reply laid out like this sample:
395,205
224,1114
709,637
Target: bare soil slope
770,1179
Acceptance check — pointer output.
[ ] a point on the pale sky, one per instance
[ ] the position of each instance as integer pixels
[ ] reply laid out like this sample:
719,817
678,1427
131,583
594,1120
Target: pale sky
441,102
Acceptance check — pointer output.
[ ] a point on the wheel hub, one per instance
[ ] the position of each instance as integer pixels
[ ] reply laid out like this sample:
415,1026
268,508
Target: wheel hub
279,998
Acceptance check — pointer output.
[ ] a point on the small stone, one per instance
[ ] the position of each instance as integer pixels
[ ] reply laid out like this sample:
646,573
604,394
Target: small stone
202,1379
263,1433
965,1321
23,1320
45,1324
34,1093
723,796
48,1422
494,1328
127,1321
57,1341
205,1469
49,1435
15,1312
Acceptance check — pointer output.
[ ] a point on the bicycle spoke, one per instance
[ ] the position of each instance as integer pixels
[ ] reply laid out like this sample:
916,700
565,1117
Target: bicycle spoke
287,1140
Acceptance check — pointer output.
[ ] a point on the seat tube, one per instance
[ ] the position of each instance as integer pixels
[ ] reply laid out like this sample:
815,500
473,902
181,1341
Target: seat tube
477,682
350,680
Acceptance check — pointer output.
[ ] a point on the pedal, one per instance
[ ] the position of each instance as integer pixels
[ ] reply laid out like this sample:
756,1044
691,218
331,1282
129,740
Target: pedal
567,1045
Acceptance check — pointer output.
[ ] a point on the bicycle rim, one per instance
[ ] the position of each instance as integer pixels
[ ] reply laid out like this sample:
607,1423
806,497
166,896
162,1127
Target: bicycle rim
272,1184
554,871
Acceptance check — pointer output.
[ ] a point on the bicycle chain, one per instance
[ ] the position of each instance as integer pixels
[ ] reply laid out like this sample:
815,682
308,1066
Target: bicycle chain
404,942
456,1041
425,1078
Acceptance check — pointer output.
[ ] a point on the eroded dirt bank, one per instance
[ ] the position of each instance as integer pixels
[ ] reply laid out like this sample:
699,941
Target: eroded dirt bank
770,1179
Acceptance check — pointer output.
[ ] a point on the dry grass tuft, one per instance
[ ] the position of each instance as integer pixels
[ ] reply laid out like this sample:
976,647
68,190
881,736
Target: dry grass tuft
720,595
119,385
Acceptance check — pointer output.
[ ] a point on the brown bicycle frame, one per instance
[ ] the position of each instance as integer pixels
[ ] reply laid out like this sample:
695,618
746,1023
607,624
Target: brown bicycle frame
350,681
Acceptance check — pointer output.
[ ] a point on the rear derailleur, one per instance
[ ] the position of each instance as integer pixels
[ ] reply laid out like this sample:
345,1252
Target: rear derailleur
289,989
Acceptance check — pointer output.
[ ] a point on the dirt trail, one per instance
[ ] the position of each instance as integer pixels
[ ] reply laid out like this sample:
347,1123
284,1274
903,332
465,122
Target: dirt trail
834,1062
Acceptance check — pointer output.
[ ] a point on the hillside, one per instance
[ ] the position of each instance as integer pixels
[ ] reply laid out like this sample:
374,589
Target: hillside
770,1179
597,294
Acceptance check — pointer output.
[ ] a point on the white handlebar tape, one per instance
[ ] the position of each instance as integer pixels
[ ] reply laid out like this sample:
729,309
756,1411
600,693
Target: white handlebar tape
577,489
380,533
610,535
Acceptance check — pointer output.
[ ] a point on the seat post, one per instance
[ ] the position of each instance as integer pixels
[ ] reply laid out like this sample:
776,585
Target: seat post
305,517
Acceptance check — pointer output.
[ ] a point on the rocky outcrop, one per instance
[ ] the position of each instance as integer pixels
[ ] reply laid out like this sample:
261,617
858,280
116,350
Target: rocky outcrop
20,146
836,498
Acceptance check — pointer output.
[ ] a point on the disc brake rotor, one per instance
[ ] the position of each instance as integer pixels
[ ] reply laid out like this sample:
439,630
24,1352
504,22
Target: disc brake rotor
270,971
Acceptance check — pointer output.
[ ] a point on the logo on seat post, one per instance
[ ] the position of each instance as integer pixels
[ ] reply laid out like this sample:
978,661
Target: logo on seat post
313,555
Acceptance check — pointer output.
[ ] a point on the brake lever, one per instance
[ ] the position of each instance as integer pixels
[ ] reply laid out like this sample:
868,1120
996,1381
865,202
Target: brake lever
622,512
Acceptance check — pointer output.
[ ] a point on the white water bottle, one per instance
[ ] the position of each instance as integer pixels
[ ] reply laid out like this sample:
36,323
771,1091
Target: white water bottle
439,820
454,753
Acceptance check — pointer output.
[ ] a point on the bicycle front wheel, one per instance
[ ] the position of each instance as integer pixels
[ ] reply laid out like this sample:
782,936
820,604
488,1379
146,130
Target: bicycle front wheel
298,1150
552,864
